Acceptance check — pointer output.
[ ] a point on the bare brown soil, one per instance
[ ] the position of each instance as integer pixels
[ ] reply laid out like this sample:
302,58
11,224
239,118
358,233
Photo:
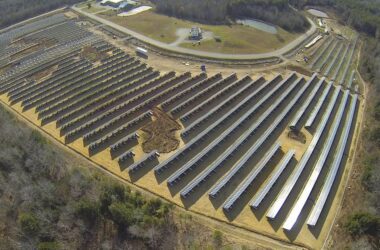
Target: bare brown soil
24,52
299,69
160,133
91,54
297,135
44,74
42,43
71,15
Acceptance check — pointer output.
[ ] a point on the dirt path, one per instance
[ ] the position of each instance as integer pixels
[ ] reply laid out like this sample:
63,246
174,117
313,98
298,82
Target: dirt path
181,37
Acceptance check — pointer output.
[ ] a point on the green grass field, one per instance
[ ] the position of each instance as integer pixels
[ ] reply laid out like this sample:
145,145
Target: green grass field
234,38
94,8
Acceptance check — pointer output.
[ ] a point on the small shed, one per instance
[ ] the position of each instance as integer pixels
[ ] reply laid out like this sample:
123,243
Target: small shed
195,33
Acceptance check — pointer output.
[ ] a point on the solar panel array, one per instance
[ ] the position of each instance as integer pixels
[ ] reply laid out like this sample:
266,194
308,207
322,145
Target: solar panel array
231,127
334,59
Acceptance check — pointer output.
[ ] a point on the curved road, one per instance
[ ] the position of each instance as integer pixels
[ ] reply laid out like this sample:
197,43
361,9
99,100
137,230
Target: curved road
165,46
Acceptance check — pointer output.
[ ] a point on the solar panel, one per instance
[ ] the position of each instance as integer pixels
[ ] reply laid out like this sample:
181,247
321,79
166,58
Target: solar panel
351,80
273,179
176,176
217,188
306,104
276,206
325,58
159,168
251,177
225,103
349,61
326,189
318,106
199,94
136,166
320,55
334,60
124,157
297,208
178,96
204,104
338,68
123,141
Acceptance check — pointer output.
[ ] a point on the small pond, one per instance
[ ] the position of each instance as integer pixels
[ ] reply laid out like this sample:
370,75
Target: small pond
258,25
317,13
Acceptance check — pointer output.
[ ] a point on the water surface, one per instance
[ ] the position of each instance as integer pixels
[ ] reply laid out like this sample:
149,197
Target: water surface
317,13
258,25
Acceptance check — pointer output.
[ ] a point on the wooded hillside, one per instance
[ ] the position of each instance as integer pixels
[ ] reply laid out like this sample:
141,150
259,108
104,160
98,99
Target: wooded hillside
277,12
13,11
50,199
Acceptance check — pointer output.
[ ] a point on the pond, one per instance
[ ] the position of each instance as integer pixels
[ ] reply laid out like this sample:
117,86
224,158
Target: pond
317,13
258,25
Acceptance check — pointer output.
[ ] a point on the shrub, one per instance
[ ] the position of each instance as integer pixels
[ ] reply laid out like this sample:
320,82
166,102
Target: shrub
115,192
121,214
377,111
29,223
37,137
375,136
87,210
368,173
151,207
218,238
362,223
48,246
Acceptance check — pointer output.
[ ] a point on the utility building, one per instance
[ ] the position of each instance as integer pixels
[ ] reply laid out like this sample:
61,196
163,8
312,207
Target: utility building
195,33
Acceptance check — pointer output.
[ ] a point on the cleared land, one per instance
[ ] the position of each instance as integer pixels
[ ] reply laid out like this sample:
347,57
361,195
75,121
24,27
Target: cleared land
161,133
234,161
234,38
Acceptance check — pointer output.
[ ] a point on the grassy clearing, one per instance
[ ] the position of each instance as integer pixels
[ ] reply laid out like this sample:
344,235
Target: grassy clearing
234,38
84,4
94,8
158,27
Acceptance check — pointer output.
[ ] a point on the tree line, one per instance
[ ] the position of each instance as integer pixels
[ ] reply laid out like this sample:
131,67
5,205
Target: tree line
364,15
13,11
277,12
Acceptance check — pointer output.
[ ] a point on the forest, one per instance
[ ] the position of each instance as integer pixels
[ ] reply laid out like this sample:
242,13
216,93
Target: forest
51,199
277,12
13,11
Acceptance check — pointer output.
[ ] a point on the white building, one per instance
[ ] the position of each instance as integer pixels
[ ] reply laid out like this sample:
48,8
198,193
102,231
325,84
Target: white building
113,3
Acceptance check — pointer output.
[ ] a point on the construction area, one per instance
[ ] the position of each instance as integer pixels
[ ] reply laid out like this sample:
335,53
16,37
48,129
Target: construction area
267,152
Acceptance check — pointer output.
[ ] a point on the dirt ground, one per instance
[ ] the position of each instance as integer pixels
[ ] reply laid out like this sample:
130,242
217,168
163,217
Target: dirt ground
298,136
160,133
91,54
44,74
25,52
71,14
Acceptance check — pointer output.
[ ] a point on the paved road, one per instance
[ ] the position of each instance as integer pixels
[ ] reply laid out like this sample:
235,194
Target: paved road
165,46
